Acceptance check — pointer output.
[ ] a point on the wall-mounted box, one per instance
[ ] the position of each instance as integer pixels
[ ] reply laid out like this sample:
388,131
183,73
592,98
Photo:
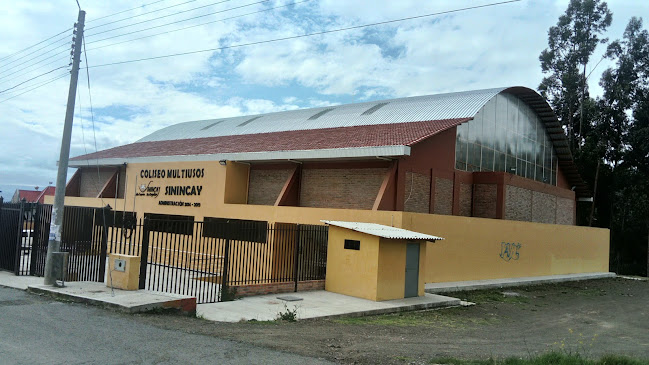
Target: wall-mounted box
124,272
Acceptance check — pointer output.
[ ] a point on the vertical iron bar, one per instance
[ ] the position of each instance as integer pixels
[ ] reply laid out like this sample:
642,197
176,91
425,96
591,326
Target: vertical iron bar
144,244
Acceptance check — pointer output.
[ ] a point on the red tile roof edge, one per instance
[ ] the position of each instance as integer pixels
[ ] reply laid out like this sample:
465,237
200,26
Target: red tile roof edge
312,139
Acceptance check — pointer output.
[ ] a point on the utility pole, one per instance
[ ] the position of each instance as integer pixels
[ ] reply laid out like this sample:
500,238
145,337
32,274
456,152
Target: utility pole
56,227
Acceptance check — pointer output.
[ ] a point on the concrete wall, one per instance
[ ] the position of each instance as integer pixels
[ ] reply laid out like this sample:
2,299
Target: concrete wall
478,248
391,283
471,250
352,272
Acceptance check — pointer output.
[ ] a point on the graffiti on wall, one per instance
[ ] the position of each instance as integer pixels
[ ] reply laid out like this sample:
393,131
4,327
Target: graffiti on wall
509,251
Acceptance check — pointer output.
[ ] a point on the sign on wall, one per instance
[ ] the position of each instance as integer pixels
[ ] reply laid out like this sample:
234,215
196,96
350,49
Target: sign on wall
171,194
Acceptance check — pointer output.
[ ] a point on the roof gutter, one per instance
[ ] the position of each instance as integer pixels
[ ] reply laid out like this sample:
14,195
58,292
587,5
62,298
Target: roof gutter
302,155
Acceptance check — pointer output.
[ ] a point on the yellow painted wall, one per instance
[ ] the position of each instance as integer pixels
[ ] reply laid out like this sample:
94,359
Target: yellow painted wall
392,269
352,272
471,250
473,247
236,183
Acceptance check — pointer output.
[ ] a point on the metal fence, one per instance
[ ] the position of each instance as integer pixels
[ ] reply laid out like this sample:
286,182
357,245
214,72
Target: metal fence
202,259
181,256
24,232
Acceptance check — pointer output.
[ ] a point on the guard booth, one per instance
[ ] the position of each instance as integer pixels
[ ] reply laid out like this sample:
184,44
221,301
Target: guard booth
376,262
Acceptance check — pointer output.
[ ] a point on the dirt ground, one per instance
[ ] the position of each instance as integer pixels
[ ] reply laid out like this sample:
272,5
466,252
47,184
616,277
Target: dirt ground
592,318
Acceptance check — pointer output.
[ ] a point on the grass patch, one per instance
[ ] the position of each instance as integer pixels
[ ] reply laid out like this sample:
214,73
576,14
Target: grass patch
553,358
448,318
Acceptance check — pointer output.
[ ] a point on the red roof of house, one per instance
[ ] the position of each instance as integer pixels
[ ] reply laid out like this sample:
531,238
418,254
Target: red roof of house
31,196
400,134
50,190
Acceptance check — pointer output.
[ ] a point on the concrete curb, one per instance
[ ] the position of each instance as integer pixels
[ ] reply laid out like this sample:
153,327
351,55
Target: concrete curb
185,306
452,302
508,283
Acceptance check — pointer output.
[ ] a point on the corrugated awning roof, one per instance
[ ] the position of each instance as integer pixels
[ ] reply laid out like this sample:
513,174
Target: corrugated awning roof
380,230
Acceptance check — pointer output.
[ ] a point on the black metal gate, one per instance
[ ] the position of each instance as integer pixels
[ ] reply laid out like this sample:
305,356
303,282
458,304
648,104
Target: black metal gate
11,236
24,234
206,259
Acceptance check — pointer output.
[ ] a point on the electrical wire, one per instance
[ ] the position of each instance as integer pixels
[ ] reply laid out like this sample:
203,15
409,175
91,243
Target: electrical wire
6,72
43,53
33,78
139,15
124,11
34,45
185,28
177,13
304,35
20,74
36,87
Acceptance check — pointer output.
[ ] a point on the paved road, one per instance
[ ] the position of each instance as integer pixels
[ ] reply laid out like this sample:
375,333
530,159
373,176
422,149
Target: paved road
38,330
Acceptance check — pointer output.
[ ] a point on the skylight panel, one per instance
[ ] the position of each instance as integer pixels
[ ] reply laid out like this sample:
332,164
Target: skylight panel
249,121
320,113
374,108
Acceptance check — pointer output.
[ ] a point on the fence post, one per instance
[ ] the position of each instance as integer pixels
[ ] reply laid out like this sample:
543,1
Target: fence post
226,266
36,233
144,252
296,255
104,243
19,243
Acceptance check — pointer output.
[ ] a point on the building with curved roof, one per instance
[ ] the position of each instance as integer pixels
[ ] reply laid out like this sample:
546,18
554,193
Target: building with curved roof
496,153
435,164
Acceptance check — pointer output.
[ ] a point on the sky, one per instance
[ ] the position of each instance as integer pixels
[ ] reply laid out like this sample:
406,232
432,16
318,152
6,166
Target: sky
465,50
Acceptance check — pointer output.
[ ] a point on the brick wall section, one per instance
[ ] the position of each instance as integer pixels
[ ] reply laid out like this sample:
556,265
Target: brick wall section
544,207
484,200
341,188
277,288
443,196
466,199
417,193
565,211
265,185
91,182
518,204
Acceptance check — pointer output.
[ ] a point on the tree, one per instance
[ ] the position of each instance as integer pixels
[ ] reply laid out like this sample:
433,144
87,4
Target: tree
622,128
570,45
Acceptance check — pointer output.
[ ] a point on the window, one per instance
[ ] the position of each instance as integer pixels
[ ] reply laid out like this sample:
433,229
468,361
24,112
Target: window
506,135
352,245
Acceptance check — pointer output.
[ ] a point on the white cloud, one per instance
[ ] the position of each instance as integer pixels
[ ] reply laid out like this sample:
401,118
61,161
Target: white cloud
479,48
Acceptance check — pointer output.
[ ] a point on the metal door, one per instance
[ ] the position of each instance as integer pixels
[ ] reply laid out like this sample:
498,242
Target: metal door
412,270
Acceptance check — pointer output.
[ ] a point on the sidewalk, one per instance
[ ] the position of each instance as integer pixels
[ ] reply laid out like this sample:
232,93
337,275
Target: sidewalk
314,304
456,286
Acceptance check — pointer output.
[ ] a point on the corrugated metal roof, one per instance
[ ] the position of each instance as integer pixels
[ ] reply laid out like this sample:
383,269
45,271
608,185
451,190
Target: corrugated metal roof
403,110
380,230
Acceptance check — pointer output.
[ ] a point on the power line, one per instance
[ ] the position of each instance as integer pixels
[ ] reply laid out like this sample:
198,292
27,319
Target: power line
47,51
306,35
33,78
184,28
168,15
139,15
36,87
125,11
7,71
34,45
20,74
